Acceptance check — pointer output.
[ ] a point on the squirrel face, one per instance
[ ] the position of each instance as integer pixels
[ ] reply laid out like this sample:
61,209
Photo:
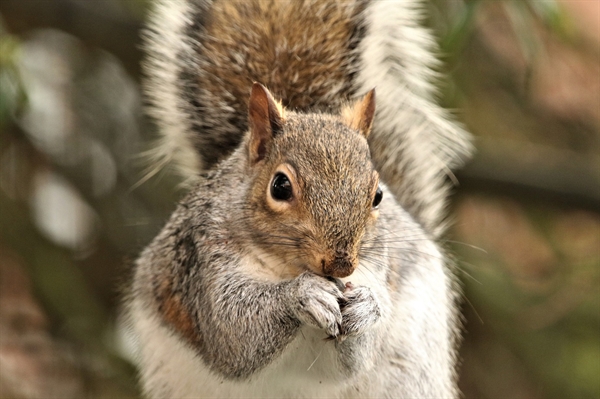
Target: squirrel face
315,190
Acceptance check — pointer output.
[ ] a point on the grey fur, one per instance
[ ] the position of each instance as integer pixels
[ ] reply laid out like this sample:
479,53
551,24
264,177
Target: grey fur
390,334
225,302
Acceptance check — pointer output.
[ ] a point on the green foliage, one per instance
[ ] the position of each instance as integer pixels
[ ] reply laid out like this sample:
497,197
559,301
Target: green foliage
12,94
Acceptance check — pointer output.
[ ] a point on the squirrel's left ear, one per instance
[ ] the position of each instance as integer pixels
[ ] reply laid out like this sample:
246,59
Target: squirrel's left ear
360,115
265,117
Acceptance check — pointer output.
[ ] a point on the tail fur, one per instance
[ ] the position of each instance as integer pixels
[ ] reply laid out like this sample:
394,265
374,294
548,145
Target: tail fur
203,56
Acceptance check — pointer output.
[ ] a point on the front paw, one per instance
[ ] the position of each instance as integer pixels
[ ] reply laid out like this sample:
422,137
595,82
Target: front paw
315,301
360,311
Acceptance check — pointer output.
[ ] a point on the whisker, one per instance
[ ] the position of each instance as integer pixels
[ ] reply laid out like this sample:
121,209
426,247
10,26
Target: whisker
473,307
314,361
467,245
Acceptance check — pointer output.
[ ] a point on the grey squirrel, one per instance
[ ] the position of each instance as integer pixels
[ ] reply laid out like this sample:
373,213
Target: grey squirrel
303,261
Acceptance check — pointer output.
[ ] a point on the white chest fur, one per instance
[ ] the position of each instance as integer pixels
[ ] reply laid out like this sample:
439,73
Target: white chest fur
172,368
307,368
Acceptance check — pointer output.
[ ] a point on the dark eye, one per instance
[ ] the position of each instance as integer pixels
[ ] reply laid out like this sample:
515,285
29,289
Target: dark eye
378,197
281,188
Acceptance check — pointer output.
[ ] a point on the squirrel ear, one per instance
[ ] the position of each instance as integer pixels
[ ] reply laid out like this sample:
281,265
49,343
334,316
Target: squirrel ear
265,116
360,115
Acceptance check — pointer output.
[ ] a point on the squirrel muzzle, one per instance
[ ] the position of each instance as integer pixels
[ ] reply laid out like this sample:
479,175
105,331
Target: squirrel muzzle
338,266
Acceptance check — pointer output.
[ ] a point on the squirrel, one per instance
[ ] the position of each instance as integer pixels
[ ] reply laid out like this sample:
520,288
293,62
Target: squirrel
303,261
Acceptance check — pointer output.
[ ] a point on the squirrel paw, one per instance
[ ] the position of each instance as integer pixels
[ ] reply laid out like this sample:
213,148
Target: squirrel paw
315,302
360,311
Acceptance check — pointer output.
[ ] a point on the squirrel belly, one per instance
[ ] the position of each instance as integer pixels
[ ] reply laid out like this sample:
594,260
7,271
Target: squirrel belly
303,260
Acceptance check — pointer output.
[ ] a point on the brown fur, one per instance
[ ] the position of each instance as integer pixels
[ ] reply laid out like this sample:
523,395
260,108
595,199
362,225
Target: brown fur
175,313
265,117
360,115
259,40
326,156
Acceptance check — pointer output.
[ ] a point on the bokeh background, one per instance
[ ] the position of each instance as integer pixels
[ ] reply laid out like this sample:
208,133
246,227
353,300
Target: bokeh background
522,75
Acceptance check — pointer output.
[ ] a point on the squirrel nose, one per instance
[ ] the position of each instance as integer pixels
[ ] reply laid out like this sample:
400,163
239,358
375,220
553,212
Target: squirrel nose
341,253
339,266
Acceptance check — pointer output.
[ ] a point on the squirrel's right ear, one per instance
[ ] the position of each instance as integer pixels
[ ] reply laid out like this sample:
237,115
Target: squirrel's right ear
265,117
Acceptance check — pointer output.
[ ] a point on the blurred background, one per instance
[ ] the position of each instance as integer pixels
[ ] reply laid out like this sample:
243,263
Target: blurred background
522,75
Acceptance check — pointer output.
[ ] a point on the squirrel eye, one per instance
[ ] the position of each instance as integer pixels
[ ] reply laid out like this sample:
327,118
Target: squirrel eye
378,197
281,188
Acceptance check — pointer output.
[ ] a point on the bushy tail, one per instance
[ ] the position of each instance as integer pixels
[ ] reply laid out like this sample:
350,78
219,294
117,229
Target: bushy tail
414,142
313,54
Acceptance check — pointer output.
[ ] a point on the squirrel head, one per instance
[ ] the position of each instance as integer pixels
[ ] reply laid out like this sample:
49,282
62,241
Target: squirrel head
314,193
